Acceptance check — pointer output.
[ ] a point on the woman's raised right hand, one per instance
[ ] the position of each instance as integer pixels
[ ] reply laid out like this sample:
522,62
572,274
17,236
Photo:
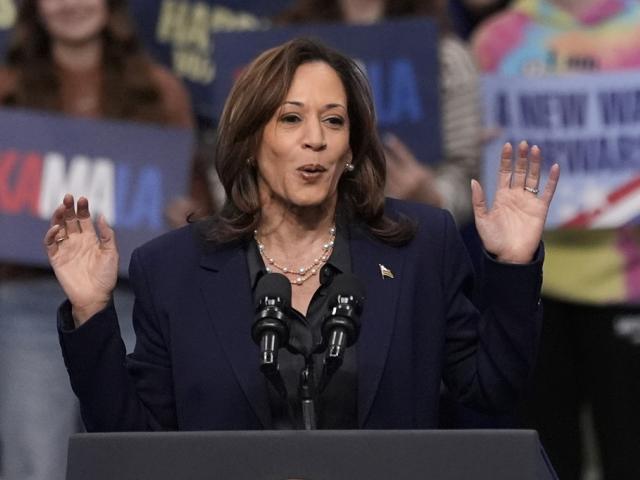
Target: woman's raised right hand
84,261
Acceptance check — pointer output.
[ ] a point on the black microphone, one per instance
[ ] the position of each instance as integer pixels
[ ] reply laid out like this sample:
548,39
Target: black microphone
341,326
270,328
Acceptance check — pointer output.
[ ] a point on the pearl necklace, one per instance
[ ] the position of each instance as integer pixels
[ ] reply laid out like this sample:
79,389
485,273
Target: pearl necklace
301,274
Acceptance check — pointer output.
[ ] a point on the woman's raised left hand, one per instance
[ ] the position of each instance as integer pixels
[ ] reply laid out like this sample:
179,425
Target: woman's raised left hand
512,229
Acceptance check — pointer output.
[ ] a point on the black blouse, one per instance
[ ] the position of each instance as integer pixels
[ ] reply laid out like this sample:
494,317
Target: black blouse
336,406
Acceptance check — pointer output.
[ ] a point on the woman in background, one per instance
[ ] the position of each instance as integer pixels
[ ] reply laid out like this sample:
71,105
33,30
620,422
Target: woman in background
80,58
589,361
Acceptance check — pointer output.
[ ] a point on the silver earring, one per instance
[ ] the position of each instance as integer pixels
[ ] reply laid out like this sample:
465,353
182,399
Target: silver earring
349,167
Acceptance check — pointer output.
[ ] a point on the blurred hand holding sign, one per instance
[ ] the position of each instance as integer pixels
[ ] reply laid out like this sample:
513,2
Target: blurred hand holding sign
400,59
128,171
587,123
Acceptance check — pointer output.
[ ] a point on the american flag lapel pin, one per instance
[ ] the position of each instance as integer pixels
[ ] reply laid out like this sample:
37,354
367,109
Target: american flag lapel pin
385,272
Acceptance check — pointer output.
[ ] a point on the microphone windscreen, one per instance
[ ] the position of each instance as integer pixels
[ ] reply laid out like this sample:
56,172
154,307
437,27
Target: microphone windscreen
347,284
273,285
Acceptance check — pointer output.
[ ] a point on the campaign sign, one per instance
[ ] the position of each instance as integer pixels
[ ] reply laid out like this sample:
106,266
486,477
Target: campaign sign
590,125
128,171
179,34
400,59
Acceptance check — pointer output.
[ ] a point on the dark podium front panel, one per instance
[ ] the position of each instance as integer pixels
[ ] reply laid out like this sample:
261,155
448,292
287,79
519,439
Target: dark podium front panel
316,455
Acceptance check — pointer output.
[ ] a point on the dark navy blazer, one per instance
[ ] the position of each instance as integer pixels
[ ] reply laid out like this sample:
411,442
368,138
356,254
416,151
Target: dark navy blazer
195,366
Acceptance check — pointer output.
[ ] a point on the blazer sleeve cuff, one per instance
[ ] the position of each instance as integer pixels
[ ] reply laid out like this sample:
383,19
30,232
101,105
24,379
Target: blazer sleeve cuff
81,346
517,286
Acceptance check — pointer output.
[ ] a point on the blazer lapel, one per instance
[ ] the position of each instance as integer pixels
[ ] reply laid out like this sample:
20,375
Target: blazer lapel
224,281
370,258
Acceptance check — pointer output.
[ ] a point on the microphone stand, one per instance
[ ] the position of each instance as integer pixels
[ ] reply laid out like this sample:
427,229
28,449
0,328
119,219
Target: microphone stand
272,374
333,358
307,394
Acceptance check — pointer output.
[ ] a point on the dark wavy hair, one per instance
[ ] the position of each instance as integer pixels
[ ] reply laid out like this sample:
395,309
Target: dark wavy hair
129,91
254,99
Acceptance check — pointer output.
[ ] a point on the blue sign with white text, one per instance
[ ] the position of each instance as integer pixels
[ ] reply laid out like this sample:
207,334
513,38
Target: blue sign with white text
128,172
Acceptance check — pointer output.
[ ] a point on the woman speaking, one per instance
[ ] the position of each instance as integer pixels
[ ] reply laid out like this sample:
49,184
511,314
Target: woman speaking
304,172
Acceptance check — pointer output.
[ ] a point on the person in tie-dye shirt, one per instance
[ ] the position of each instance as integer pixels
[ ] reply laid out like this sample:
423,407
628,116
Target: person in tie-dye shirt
591,338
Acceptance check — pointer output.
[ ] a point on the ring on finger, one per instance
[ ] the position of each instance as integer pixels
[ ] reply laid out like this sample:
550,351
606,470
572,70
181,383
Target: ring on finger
533,190
59,240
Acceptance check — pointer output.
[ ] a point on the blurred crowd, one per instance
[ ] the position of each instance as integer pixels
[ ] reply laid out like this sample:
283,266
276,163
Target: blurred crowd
85,58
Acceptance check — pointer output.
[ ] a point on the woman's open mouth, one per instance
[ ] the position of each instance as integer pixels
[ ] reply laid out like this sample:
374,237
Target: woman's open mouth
311,171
